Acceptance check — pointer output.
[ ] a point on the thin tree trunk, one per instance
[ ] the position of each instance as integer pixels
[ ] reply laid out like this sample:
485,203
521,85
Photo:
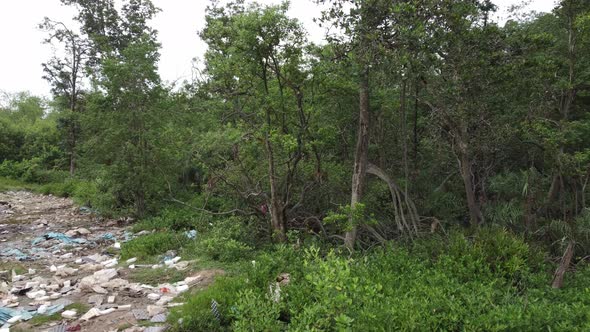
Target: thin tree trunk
563,265
476,217
361,155
416,127
276,208
72,148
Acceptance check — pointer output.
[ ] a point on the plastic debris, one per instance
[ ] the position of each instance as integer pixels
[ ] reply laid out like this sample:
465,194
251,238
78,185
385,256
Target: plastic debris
7,314
54,309
69,314
108,237
154,310
87,210
141,314
60,237
127,236
155,329
159,318
192,234
94,312
19,255
58,328
215,310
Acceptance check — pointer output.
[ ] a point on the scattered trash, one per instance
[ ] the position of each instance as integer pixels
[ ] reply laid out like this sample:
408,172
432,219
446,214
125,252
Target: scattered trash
82,268
155,329
94,312
6,314
60,237
59,328
51,310
192,234
215,310
108,237
141,314
74,328
69,314
159,318
19,255
87,210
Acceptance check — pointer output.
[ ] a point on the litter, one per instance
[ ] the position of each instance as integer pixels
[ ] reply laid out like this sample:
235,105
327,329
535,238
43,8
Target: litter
159,318
6,314
141,314
108,237
154,310
69,314
54,309
19,255
155,329
94,312
192,234
60,237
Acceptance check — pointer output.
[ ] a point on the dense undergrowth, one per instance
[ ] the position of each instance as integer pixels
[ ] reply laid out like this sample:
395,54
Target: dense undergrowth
484,280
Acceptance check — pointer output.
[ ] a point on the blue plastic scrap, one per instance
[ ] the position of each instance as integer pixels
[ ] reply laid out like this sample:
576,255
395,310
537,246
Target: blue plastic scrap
87,210
191,234
21,256
58,236
54,309
128,236
7,313
108,237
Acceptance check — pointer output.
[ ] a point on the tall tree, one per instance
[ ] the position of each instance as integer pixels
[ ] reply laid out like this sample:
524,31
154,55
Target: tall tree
65,74
255,62
124,108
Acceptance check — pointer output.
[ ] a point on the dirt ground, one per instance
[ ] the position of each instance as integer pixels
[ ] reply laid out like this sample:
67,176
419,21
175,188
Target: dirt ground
65,255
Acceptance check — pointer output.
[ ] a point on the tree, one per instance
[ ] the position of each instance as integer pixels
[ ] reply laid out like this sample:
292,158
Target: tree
255,63
65,74
124,109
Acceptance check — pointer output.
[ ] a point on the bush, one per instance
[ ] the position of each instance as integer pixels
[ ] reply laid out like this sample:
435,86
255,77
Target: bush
175,219
490,280
196,313
229,240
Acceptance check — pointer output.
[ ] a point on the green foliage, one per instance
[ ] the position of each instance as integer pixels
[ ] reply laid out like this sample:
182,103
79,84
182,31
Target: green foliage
197,314
487,281
226,240
174,219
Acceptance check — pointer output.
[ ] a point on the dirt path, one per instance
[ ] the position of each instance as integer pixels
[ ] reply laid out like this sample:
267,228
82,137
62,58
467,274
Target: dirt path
64,257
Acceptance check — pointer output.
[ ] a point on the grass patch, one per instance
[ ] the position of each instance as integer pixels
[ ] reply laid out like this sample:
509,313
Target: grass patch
124,327
146,247
7,184
17,267
157,276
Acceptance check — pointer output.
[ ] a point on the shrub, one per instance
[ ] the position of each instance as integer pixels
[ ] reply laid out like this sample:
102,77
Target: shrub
196,313
175,219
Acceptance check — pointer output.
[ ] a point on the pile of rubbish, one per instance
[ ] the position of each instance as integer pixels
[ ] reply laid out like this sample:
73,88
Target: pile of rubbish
26,296
71,261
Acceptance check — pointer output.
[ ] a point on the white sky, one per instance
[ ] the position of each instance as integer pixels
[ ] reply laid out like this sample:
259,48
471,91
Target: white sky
22,51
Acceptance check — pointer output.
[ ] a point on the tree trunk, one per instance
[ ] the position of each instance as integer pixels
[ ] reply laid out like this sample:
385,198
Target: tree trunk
360,155
73,149
476,217
563,265
276,208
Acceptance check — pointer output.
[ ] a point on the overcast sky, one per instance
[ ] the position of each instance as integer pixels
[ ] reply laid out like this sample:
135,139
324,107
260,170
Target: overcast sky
22,51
